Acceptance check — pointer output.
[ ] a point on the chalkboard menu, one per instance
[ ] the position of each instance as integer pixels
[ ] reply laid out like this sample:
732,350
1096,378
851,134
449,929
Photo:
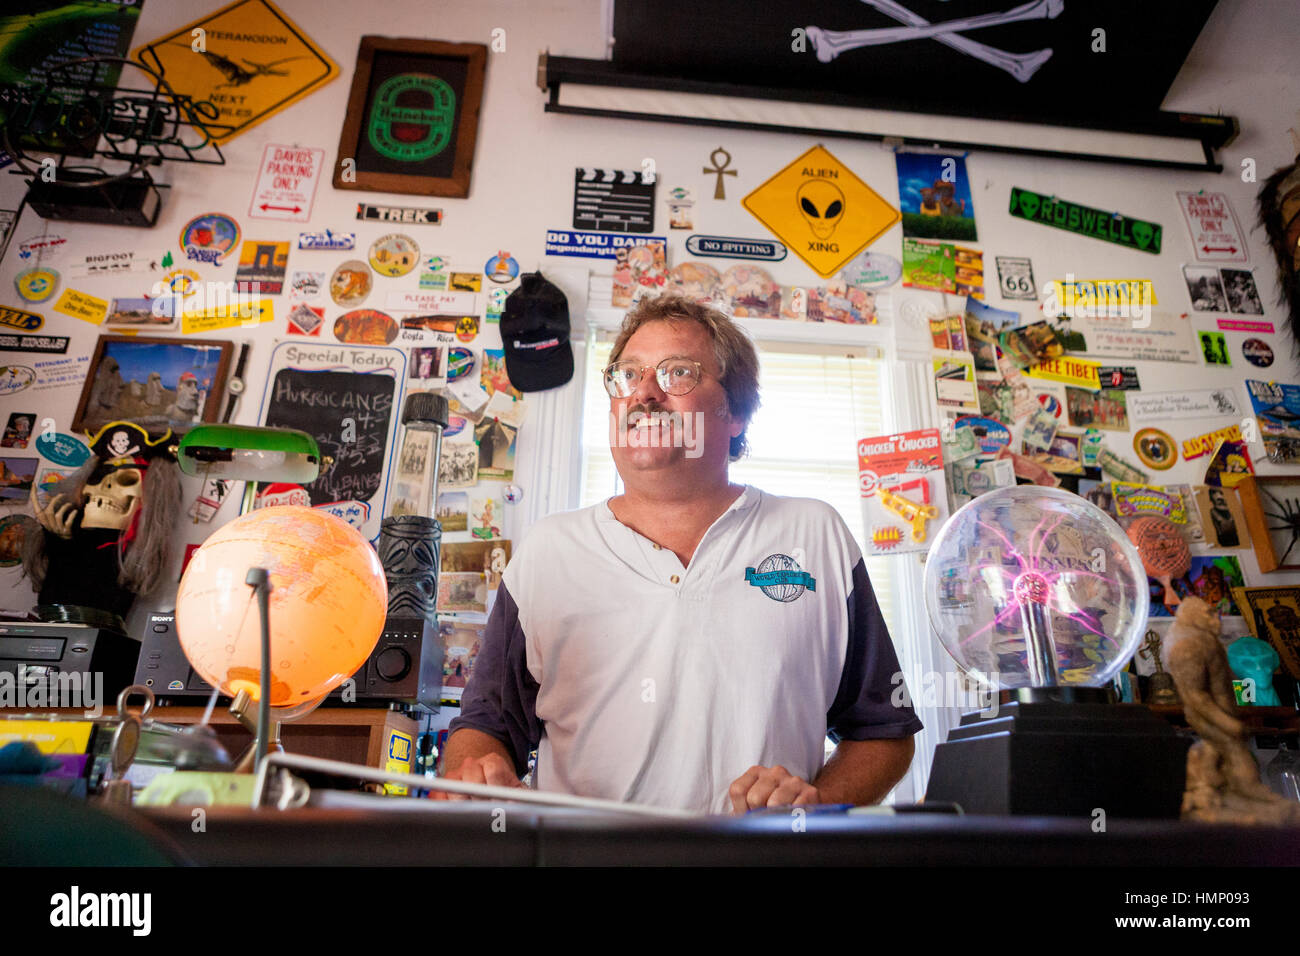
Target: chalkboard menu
348,413
348,398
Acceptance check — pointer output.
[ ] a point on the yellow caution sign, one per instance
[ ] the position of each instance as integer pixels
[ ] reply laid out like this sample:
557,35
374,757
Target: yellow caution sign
248,60
821,210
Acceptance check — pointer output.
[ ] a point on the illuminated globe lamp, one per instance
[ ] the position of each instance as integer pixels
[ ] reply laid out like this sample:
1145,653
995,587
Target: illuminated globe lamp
324,597
1038,592
280,606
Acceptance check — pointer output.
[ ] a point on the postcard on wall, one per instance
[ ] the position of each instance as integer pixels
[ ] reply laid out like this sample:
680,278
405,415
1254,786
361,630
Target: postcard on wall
1105,409
1277,409
462,640
452,510
983,325
486,557
1209,578
1148,337
954,380
934,196
458,465
485,512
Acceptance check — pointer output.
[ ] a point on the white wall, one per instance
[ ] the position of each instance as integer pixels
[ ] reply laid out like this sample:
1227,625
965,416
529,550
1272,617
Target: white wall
523,171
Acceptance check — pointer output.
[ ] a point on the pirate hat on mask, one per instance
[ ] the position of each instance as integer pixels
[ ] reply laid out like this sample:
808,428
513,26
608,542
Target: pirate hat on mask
127,440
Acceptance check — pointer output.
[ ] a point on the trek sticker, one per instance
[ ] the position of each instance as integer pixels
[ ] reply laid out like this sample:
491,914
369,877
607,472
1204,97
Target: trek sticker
1016,278
254,63
12,342
210,238
726,247
404,214
1212,225
79,305
20,319
780,578
1086,221
286,183
36,284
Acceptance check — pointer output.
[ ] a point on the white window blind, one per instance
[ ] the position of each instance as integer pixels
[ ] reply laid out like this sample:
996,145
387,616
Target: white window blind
817,402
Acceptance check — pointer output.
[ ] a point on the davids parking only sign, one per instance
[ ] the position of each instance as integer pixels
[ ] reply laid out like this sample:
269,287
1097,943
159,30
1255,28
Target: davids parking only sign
286,183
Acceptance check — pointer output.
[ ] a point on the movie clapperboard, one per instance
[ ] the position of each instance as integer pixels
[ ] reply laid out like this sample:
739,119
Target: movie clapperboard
615,200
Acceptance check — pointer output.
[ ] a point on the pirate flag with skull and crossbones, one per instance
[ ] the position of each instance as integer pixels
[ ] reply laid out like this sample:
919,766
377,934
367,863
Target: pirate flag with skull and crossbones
105,529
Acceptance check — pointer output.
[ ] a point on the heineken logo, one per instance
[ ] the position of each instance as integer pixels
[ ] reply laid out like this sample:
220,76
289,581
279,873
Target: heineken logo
418,128
1086,221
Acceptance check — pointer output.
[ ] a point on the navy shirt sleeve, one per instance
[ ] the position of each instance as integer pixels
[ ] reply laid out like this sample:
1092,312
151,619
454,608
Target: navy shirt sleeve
500,698
864,706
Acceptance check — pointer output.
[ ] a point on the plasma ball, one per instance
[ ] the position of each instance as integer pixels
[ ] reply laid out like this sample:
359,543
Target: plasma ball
1031,587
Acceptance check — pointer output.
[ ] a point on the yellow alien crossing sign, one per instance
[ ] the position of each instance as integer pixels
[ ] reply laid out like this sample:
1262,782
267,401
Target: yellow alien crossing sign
821,210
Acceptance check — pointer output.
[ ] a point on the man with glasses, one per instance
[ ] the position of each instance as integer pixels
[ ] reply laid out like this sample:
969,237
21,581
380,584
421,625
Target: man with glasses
690,642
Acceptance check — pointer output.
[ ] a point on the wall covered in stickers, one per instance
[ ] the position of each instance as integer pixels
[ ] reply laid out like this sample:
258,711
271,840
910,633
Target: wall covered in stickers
362,281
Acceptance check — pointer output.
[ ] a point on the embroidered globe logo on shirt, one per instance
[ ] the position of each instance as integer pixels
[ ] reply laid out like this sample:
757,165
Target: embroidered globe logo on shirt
780,578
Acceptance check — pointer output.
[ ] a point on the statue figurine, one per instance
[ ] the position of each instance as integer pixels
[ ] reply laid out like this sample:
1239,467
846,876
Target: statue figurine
1223,781
105,530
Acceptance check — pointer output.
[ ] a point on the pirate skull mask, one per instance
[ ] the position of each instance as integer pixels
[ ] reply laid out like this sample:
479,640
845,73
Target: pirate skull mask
114,500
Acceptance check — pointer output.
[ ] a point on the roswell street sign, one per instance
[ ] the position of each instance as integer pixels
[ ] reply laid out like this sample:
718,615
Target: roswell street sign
1086,221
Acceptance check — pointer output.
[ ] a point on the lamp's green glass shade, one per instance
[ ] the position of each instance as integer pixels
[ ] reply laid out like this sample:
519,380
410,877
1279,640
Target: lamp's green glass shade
249,453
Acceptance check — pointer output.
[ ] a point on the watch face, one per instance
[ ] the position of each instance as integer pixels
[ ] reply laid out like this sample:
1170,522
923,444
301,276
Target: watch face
235,386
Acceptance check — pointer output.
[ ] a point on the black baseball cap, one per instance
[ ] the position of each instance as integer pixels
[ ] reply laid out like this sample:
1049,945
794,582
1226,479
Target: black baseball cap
535,335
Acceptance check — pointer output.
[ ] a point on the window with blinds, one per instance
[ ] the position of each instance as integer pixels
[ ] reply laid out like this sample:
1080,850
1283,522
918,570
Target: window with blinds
817,403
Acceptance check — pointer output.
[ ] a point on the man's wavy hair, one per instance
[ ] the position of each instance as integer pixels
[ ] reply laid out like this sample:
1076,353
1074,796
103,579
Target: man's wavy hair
731,346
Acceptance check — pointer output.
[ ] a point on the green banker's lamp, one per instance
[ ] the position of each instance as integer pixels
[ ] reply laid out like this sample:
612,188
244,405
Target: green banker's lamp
250,453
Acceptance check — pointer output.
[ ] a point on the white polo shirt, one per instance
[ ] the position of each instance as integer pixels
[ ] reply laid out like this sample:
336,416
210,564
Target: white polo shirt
640,680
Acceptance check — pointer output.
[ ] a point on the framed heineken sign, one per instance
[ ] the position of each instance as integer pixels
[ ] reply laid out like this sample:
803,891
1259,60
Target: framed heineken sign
412,117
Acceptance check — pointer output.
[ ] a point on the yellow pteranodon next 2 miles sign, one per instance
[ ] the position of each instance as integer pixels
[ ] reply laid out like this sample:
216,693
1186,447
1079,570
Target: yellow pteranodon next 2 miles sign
247,59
